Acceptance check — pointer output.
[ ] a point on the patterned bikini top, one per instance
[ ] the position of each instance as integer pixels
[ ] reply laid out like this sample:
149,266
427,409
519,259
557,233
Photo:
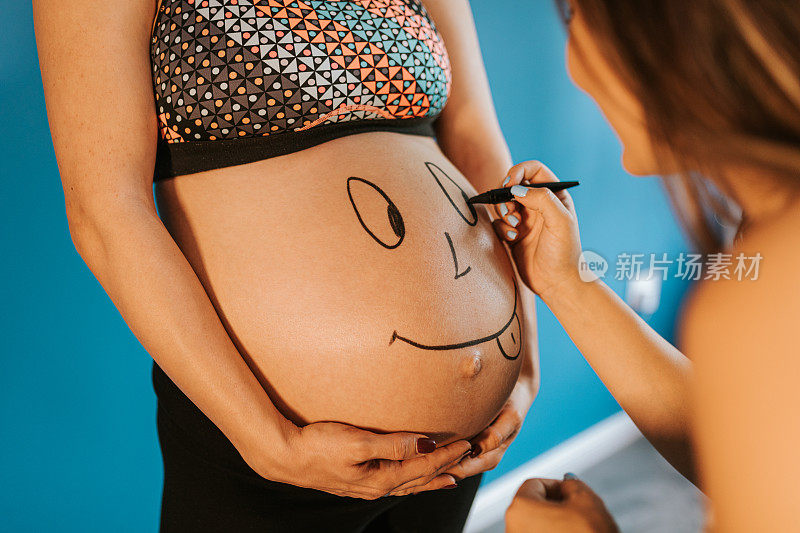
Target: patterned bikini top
237,81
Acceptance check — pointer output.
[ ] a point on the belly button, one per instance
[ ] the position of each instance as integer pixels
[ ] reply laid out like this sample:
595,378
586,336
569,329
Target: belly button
471,366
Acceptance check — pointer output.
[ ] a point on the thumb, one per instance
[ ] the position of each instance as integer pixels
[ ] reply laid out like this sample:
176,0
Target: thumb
396,446
539,489
544,201
574,488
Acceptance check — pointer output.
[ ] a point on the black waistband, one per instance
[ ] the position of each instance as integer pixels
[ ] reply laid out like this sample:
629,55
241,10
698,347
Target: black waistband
175,159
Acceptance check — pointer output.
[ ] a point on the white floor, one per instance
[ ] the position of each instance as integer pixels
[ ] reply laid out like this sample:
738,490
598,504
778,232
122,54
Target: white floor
642,491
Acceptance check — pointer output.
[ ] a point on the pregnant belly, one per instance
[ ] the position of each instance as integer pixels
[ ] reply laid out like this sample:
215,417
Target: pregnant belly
358,283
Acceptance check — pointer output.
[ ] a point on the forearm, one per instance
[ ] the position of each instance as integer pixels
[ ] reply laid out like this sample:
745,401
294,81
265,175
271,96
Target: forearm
647,376
163,302
476,147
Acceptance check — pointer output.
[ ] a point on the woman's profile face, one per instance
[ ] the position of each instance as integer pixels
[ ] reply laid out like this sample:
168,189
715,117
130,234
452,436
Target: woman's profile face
590,71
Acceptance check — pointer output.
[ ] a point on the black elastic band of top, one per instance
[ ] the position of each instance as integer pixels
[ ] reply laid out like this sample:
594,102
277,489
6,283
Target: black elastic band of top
175,159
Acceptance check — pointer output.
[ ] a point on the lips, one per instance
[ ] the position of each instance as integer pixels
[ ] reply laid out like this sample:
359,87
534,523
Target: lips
508,338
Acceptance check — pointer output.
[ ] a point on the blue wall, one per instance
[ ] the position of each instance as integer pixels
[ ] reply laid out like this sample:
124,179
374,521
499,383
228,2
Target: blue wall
78,447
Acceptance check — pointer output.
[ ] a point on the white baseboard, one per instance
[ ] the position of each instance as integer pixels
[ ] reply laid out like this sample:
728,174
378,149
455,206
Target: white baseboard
576,454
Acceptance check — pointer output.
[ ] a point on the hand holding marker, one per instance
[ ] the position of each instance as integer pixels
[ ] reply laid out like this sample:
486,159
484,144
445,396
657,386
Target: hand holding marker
537,219
505,194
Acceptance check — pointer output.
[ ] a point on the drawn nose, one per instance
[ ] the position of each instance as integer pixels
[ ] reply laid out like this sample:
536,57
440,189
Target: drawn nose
455,257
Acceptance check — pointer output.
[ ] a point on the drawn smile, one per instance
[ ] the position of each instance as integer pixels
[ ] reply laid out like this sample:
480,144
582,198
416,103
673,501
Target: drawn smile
382,220
510,351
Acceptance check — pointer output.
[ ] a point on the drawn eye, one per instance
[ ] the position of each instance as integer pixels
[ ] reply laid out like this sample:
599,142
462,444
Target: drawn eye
458,198
376,212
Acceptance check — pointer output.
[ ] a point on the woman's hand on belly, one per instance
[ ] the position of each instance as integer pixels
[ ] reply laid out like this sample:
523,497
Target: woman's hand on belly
348,461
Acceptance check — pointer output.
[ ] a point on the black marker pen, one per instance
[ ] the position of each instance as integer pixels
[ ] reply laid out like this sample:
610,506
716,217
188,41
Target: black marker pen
499,196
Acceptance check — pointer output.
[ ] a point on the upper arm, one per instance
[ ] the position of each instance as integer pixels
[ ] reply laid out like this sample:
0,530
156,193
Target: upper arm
95,64
742,337
470,87
467,130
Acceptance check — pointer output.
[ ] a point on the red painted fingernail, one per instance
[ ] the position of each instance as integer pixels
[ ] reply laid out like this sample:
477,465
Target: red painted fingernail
476,450
425,445
451,486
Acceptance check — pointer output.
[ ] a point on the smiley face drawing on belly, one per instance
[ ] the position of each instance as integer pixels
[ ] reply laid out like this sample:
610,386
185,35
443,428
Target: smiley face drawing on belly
390,233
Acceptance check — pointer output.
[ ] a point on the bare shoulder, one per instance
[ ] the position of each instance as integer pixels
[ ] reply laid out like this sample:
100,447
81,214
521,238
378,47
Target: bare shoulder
758,313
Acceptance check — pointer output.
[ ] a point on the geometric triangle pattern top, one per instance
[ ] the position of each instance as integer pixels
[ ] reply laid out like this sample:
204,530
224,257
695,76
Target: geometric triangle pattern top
243,68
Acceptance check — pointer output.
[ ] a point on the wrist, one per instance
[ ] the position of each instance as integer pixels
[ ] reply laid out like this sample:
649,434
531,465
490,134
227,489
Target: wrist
568,285
268,447
572,297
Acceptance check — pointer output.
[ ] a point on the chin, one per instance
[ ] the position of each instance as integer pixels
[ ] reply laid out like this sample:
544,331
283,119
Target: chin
635,166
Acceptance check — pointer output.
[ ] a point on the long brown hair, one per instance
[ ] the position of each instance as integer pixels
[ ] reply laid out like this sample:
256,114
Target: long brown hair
719,82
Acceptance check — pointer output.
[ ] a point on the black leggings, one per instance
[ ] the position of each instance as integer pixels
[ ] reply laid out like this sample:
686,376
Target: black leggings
209,488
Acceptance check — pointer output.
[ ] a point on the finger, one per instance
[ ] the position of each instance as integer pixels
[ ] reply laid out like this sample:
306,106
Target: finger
545,202
457,470
471,466
427,465
535,489
445,481
417,484
509,207
566,199
504,427
532,171
528,514
424,480
548,489
514,219
393,446
505,209
505,231
575,488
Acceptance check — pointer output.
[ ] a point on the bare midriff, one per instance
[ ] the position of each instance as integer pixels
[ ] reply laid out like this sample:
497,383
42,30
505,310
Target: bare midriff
357,283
